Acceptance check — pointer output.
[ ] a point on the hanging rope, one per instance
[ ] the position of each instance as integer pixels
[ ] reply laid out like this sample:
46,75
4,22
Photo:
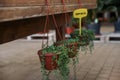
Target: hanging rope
46,22
64,10
55,22
45,28
46,3
79,2
56,26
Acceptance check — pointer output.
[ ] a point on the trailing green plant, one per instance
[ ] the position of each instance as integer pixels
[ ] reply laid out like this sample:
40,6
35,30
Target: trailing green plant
72,46
85,39
67,41
62,61
75,21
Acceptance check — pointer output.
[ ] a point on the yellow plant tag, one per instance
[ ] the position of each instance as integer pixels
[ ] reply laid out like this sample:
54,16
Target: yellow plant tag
80,13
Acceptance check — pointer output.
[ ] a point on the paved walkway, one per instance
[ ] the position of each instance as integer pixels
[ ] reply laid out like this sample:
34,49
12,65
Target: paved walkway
19,61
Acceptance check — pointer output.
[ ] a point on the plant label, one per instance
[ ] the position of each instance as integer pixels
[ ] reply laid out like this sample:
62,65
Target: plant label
80,13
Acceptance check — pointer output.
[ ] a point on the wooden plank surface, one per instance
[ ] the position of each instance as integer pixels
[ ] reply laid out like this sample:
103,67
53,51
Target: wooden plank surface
41,2
19,9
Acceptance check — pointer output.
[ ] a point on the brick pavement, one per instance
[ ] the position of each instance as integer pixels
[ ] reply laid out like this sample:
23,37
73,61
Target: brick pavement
19,61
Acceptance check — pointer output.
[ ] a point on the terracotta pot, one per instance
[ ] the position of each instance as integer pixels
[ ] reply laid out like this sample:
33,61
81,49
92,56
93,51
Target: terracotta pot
49,63
69,30
74,53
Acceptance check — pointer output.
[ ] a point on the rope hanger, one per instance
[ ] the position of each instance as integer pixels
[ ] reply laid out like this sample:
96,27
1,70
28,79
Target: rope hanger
47,21
64,10
54,20
79,2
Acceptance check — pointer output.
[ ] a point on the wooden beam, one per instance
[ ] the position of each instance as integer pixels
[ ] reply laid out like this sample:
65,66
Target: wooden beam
20,18
16,29
20,9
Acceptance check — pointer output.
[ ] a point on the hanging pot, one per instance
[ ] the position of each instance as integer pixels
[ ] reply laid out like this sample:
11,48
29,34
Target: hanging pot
69,30
48,62
83,41
73,47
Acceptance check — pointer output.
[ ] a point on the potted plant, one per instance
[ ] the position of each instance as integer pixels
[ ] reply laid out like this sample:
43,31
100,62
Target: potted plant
69,28
54,57
72,46
85,39
75,22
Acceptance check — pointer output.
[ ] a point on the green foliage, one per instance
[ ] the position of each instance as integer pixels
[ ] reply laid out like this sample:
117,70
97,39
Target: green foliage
71,44
62,61
75,20
90,17
101,7
67,41
88,35
85,39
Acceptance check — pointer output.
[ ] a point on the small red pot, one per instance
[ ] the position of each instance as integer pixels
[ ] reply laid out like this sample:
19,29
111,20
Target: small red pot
69,30
49,63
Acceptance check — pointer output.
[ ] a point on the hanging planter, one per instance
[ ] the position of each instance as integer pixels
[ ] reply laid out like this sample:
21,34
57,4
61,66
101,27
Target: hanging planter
85,39
75,23
69,28
47,60
54,57
71,45
72,49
